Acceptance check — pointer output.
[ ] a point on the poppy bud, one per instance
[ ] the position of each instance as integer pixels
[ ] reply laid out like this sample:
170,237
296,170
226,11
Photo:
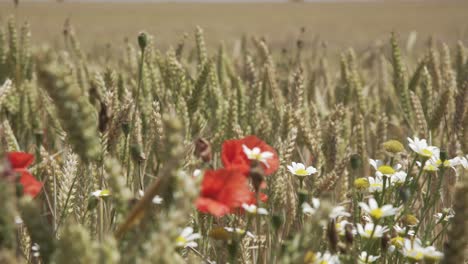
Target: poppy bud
276,221
142,40
137,153
385,242
355,161
332,235
349,237
443,156
203,150
404,194
256,174
126,128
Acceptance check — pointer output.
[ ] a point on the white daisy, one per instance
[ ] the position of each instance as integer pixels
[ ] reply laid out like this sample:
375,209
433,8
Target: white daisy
398,178
100,193
239,231
252,209
421,147
445,216
187,238
341,228
364,258
310,210
366,231
300,170
338,211
401,231
432,255
377,212
157,199
383,170
257,154
375,184
326,258
413,250
196,173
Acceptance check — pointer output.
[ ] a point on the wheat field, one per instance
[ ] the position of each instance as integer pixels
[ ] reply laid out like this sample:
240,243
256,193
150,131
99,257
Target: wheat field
234,133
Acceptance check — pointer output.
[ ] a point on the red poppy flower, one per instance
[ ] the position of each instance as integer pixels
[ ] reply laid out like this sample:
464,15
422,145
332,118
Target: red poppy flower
222,191
20,161
253,198
238,153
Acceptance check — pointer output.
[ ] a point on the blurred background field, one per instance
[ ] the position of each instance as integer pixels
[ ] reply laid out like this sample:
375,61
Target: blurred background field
340,25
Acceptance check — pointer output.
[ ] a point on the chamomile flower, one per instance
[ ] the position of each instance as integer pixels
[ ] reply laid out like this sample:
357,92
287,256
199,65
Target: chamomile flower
311,209
401,231
156,199
338,211
341,227
445,216
326,258
300,170
398,178
383,170
413,250
257,154
375,184
366,231
421,147
239,231
364,258
187,238
253,209
432,255
100,193
464,162
377,212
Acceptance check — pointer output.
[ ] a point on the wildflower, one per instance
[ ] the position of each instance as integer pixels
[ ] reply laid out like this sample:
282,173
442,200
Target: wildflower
300,170
375,184
239,231
435,162
432,255
341,228
20,161
366,231
382,169
420,147
464,162
238,153
377,212
337,212
397,242
310,210
402,231
410,220
221,191
100,193
252,209
364,258
156,199
326,258
413,250
445,216
187,237
393,146
361,184
35,248
197,173
399,178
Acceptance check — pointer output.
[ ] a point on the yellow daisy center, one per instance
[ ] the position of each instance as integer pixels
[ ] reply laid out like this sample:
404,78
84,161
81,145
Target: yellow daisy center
301,172
361,183
426,153
181,240
386,170
376,213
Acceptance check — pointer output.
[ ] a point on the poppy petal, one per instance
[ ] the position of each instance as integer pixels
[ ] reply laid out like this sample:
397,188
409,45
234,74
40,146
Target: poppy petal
31,186
20,160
